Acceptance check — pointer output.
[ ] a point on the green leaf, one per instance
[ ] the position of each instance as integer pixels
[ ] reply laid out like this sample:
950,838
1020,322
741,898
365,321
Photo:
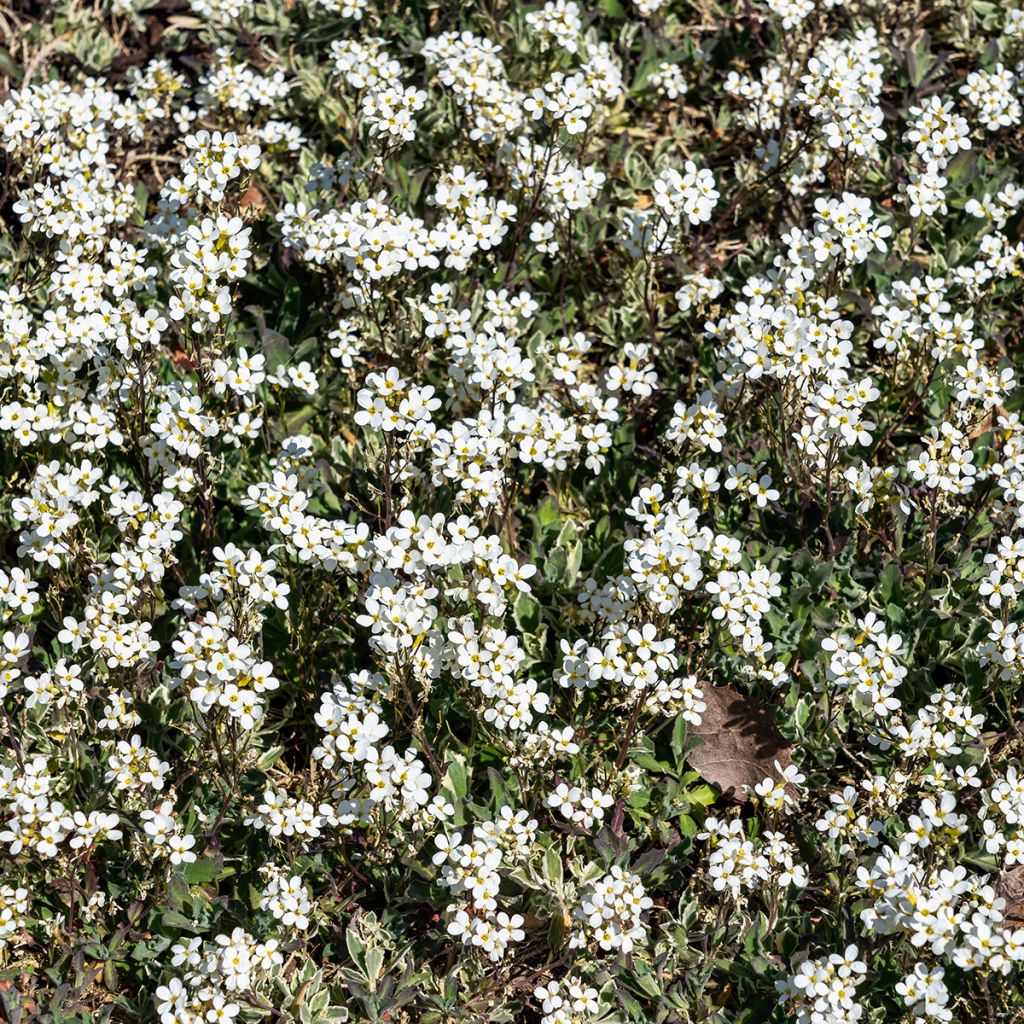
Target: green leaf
269,758
568,535
374,966
687,826
555,566
201,871
701,796
456,777
548,518
497,784
652,764
629,1004
553,867
355,946
151,948
678,743
574,563
645,981
526,612
172,919
556,932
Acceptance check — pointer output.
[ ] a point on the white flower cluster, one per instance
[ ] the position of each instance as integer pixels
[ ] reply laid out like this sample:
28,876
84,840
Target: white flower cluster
992,94
571,1001
610,911
215,977
641,662
690,197
1002,813
824,991
227,85
474,869
738,864
841,89
937,132
286,898
558,21
370,239
925,992
134,767
582,807
845,229
222,11
669,80
370,779
36,822
563,187
220,669
13,908
868,664
168,837
472,68
950,912
946,463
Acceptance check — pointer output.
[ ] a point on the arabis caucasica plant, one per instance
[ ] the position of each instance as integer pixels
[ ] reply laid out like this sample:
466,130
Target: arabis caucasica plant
511,512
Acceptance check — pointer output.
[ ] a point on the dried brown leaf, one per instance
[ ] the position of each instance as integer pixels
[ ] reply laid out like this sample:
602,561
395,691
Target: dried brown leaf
987,423
252,204
740,742
1011,887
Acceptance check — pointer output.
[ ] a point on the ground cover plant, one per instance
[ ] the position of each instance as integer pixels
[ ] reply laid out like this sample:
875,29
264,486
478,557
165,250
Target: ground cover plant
511,512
